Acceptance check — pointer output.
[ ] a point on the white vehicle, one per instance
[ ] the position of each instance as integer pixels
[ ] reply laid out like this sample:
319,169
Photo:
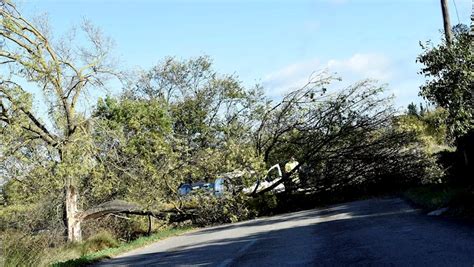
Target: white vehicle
272,176
267,181
227,183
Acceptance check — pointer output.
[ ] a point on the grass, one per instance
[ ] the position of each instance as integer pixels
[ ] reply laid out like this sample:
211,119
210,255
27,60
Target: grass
122,248
458,199
432,197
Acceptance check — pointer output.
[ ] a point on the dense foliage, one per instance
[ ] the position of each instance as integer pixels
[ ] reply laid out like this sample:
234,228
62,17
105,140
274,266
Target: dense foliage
450,70
450,85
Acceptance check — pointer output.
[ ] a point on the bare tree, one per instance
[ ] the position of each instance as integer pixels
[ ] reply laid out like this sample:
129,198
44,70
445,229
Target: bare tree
339,138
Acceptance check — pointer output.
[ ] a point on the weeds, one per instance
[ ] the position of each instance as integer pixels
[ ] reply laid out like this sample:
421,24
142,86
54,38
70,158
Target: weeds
431,197
24,250
98,242
121,248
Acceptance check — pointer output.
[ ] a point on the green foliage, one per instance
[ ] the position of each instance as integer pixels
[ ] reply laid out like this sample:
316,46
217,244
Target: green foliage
263,205
98,242
132,139
12,216
181,121
429,129
431,197
451,79
458,199
20,249
123,228
62,70
31,218
210,210
412,110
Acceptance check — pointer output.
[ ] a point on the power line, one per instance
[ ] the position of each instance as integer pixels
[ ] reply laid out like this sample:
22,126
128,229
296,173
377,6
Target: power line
457,14
472,21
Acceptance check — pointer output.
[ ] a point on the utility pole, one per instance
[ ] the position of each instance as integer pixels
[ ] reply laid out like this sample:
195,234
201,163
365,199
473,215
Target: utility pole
472,23
446,23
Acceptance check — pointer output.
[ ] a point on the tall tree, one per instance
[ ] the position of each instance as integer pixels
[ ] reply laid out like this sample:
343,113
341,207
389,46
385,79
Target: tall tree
450,85
63,71
212,115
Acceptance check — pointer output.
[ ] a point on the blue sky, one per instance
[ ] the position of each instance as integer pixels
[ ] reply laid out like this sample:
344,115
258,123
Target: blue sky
274,43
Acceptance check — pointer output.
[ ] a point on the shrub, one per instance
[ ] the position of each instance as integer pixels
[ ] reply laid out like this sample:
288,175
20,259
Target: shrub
211,210
462,202
100,241
263,204
431,196
43,216
123,228
15,217
24,250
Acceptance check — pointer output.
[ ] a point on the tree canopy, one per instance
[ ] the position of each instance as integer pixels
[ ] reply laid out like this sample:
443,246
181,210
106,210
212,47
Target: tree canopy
450,73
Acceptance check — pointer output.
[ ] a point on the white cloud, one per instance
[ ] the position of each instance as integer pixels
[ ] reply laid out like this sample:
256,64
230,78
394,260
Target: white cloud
373,66
400,75
357,67
291,76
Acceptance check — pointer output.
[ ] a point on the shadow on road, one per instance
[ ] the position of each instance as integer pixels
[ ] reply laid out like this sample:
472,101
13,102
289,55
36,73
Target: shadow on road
364,232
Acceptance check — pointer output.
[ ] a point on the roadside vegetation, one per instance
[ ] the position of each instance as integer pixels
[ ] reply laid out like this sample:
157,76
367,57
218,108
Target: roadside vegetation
449,70
23,250
86,181
432,197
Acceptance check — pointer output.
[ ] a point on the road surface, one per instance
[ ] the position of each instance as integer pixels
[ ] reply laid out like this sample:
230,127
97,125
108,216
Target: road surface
385,231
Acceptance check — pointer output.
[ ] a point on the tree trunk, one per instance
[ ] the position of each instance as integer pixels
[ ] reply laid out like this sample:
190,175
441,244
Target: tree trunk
149,225
73,222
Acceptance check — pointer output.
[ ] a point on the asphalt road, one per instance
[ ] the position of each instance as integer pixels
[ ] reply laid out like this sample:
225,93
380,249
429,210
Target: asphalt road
369,232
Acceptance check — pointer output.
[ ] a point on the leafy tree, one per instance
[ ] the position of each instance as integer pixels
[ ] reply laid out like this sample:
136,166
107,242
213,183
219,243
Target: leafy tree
451,79
133,152
450,70
180,122
412,109
212,115
63,71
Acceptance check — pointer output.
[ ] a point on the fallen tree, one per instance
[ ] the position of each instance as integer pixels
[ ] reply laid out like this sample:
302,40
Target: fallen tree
339,139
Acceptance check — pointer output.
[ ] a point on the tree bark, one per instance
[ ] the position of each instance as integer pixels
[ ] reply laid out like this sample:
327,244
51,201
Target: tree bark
446,23
73,222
